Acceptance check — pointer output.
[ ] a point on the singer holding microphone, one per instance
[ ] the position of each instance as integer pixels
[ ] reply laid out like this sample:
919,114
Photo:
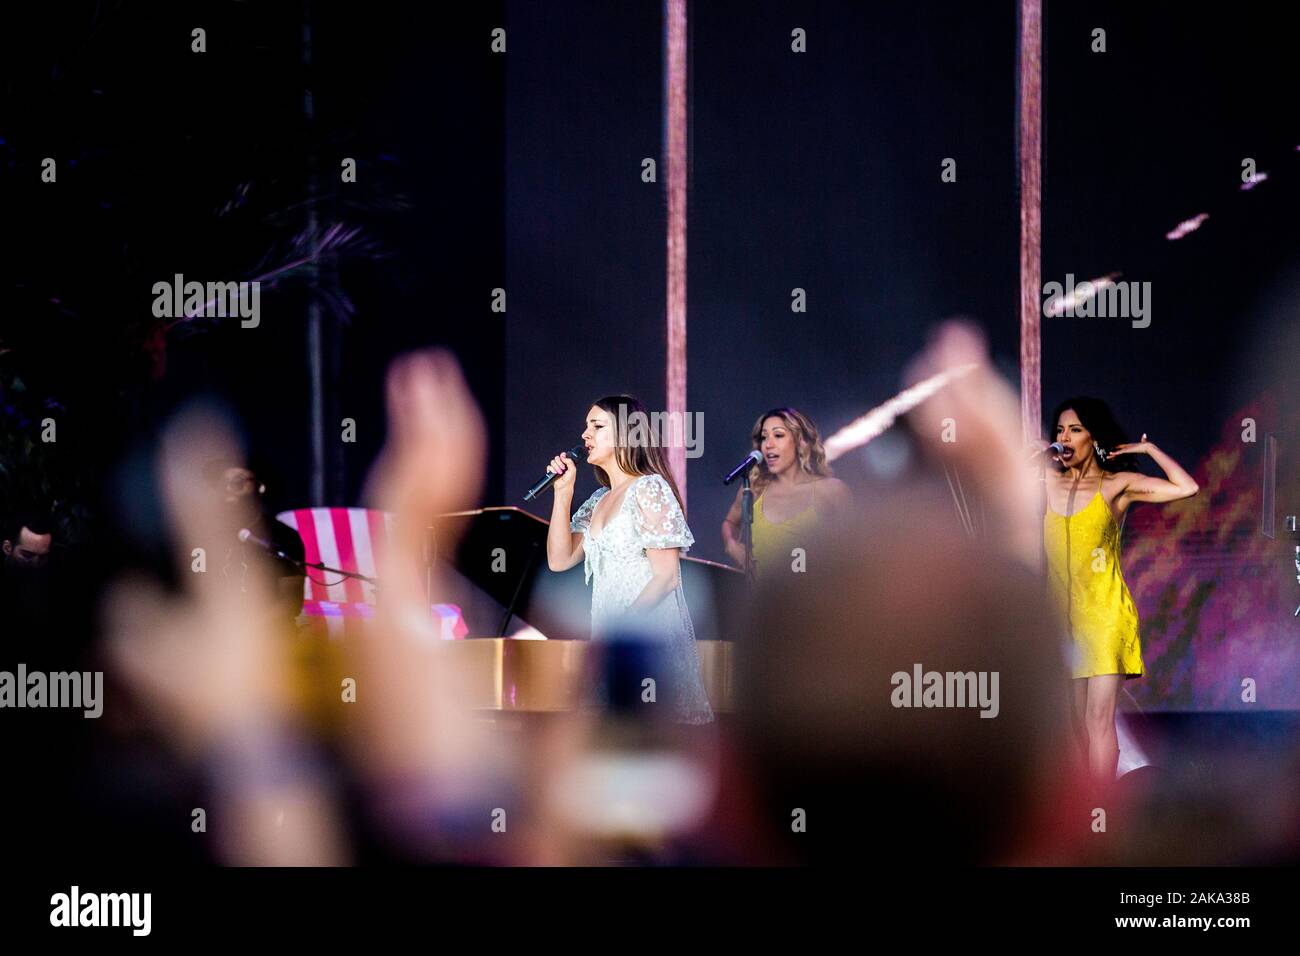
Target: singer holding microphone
794,488
1087,499
629,536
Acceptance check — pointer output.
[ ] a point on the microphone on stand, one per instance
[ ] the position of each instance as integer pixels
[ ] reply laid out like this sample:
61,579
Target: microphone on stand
575,453
247,537
753,458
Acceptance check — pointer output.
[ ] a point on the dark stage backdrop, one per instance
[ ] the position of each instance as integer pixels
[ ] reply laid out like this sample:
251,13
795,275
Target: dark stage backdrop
822,171
818,171
174,161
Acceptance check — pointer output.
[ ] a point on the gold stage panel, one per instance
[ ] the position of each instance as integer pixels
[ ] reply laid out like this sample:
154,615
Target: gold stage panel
530,675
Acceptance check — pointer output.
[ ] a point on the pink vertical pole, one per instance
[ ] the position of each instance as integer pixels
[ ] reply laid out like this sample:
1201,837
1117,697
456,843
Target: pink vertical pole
1030,86
675,112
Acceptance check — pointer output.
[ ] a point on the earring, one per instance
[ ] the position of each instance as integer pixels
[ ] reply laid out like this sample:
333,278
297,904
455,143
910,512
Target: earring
1101,452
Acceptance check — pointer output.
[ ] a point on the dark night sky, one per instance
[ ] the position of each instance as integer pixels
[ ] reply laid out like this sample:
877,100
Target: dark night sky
818,170
822,171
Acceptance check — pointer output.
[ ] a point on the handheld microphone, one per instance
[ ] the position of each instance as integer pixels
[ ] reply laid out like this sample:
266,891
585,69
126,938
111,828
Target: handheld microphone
753,458
575,453
1055,448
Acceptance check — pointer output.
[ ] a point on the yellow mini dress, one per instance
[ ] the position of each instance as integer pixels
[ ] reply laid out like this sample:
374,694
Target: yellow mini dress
774,541
1088,587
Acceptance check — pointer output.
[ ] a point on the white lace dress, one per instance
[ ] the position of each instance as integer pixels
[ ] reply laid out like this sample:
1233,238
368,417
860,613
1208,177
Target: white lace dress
616,559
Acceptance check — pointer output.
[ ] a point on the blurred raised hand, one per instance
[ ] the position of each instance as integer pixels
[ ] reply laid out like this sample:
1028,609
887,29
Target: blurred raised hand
211,668
436,452
988,447
205,662
422,748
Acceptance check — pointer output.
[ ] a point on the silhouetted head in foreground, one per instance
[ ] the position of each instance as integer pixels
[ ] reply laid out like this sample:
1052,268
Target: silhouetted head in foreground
829,697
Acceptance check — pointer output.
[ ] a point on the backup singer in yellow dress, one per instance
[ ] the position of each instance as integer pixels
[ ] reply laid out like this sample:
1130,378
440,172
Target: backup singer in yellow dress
1086,503
1083,571
774,541
794,491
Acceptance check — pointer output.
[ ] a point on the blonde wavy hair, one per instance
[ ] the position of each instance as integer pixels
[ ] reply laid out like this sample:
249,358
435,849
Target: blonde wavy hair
808,444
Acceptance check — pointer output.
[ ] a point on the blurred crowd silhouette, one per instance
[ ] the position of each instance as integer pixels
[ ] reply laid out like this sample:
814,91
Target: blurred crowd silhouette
229,735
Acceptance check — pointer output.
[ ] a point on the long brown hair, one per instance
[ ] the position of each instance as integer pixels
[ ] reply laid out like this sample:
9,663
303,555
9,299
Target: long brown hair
638,459
808,445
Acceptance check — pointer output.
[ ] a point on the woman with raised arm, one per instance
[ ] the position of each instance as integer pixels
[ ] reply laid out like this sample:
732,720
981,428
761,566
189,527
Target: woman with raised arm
629,536
1087,499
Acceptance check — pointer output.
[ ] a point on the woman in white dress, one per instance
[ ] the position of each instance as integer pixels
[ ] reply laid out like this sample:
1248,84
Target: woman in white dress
630,535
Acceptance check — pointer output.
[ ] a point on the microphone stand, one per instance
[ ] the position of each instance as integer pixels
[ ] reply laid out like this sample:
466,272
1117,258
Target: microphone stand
747,526
746,514
533,555
1297,575
373,582
322,567
1044,502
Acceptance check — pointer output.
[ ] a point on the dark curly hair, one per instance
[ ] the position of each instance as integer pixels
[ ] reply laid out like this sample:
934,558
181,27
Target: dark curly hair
1096,416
